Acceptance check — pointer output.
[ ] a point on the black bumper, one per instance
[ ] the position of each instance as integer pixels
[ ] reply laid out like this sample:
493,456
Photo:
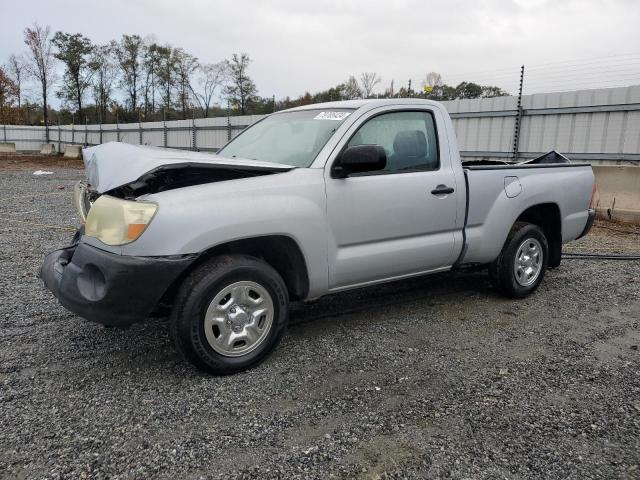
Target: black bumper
590,219
107,288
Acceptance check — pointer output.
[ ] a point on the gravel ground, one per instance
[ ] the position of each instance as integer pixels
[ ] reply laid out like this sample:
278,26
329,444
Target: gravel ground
431,377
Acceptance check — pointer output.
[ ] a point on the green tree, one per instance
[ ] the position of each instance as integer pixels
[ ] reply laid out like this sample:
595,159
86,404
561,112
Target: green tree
241,90
351,89
489,91
103,65
331,95
186,65
129,54
73,51
166,74
151,64
468,90
8,92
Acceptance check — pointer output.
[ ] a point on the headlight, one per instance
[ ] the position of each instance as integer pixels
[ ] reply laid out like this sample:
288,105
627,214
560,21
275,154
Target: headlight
81,199
116,222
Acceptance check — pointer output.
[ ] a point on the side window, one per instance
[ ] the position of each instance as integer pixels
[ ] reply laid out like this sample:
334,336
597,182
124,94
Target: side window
409,138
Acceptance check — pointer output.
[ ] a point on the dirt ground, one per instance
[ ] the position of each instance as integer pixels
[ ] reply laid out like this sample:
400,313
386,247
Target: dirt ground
425,378
25,161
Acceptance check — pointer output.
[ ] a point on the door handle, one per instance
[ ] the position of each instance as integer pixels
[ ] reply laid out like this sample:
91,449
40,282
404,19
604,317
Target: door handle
442,190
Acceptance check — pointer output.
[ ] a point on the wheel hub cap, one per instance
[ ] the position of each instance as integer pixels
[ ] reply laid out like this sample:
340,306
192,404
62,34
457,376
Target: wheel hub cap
239,318
528,262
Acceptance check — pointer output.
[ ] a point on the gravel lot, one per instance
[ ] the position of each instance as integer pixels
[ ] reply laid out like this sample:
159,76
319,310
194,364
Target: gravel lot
432,377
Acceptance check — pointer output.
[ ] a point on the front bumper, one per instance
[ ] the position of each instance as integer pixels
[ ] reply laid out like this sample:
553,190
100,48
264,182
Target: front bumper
107,288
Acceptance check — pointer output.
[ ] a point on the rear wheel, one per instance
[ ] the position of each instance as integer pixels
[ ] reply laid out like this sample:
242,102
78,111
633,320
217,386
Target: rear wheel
229,314
521,266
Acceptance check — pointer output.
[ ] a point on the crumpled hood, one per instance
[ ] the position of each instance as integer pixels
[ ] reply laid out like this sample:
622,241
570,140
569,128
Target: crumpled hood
112,165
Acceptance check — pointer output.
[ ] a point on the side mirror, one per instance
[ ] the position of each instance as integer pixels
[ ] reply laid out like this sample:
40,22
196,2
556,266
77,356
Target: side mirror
358,159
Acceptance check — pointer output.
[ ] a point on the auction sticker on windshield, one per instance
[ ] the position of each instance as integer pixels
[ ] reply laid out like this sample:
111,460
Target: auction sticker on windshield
332,115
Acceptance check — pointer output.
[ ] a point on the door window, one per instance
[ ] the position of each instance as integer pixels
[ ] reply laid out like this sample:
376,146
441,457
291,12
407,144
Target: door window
408,138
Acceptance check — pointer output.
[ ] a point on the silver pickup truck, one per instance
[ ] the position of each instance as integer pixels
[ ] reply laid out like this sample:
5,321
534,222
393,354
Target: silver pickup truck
303,203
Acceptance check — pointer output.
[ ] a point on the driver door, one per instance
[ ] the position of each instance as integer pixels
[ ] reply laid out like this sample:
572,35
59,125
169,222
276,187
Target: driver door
388,224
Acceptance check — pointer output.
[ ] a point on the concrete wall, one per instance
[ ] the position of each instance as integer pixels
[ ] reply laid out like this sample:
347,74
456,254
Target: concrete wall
618,192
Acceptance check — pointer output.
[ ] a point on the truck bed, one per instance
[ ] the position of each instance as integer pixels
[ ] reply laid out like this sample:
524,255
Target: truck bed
550,158
498,194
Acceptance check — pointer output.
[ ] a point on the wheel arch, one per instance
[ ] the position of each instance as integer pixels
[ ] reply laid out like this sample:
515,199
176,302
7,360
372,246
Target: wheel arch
280,251
547,216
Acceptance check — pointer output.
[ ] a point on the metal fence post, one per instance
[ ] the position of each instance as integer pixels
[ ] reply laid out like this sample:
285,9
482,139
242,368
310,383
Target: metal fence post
117,128
59,136
100,127
194,142
516,128
86,131
140,133
228,123
4,131
164,127
73,135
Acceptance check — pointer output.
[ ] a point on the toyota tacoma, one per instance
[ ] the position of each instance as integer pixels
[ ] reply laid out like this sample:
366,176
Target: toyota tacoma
305,202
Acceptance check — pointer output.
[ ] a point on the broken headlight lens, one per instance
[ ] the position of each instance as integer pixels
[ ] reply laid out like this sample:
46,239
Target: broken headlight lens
81,199
116,222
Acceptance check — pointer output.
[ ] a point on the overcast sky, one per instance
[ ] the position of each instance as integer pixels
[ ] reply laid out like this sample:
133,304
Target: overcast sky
300,45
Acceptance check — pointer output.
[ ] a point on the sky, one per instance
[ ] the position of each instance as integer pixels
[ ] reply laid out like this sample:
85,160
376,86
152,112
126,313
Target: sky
300,45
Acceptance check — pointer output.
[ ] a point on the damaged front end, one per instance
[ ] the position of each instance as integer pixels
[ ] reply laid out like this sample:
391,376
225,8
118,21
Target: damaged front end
130,171
170,177
95,280
83,198
160,179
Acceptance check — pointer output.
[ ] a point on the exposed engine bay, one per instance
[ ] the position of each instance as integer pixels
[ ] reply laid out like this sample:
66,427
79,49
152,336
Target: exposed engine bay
130,171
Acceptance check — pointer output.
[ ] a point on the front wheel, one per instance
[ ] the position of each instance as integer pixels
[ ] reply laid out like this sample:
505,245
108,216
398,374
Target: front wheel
521,266
229,314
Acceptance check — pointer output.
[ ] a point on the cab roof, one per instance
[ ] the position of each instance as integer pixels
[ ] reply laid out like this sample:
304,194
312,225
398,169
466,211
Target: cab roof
368,103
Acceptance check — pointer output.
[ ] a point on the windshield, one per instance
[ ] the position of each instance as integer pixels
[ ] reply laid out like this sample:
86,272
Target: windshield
291,138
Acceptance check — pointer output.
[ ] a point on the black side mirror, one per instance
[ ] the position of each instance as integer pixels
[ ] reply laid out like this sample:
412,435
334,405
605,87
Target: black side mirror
358,159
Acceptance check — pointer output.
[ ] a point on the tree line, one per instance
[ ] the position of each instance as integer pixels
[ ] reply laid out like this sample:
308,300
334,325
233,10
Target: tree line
138,79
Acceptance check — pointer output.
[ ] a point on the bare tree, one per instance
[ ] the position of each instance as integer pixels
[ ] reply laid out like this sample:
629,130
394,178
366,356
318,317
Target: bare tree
41,65
368,81
186,65
212,76
433,79
16,71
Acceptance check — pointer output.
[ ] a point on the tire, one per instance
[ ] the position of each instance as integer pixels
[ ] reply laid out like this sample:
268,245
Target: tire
229,314
518,282
493,277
